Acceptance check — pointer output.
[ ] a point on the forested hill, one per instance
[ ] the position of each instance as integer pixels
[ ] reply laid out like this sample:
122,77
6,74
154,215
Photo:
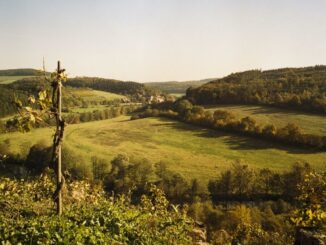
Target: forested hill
297,88
108,85
20,72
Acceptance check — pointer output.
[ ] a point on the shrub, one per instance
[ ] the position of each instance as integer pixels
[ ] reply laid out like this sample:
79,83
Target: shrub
26,216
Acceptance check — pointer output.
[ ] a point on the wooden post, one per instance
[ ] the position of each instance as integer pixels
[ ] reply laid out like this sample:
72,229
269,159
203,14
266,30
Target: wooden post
59,129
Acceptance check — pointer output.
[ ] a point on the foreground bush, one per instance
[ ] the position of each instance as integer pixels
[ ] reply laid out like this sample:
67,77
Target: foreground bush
27,216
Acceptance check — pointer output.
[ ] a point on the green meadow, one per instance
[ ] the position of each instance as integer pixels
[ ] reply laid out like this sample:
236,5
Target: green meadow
11,79
309,123
192,151
90,95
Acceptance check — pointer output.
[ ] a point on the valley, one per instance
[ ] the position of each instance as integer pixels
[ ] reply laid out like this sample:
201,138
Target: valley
188,150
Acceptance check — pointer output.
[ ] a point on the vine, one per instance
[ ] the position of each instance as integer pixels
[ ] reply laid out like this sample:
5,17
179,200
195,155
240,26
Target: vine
47,104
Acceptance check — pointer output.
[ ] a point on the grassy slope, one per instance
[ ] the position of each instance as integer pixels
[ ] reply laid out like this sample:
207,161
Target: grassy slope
192,151
174,87
93,95
11,79
309,123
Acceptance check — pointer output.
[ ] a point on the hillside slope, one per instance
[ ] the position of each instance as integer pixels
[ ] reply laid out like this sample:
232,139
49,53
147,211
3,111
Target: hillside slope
20,72
296,88
12,75
172,87
108,85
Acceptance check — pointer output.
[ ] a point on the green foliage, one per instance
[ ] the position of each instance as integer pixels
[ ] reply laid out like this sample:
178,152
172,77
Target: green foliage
242,183
89,218
243,223
7,96
137,176
34,112
253,234
125,176
312,201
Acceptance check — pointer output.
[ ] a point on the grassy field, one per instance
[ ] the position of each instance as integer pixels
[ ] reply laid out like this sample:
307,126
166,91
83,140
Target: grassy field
88,109
309,123
11,79
191,151
92,95
178,95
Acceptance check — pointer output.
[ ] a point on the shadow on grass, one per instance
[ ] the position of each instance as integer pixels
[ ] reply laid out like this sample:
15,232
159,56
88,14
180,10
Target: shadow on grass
273,110
234,141
250,143
266,109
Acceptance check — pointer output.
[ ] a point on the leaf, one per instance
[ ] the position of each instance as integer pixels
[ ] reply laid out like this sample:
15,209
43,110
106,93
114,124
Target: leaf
42,95
38,119
18,103
31,99
32,118
28,109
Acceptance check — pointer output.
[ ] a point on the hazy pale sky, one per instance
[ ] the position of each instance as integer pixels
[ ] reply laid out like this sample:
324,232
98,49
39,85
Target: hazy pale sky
161,40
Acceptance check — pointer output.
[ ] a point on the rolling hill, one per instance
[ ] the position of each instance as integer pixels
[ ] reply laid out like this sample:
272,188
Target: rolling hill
174,87
20,72
294,88
12,75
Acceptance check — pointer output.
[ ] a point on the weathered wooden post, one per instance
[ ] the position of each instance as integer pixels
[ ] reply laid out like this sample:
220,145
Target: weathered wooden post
58,136
59,177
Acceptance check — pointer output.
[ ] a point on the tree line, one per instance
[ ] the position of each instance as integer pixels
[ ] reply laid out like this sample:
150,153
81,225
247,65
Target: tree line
185,111
78,117
96,115
295,88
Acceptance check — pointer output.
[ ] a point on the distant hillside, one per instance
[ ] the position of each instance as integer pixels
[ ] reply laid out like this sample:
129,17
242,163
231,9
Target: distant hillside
12,75
174,86
32,85
298,88
20,72
108,85
35,84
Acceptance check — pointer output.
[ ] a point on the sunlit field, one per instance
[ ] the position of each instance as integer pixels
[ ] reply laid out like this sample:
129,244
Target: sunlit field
191,151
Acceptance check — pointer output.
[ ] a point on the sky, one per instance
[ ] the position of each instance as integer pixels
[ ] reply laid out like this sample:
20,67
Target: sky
162,40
